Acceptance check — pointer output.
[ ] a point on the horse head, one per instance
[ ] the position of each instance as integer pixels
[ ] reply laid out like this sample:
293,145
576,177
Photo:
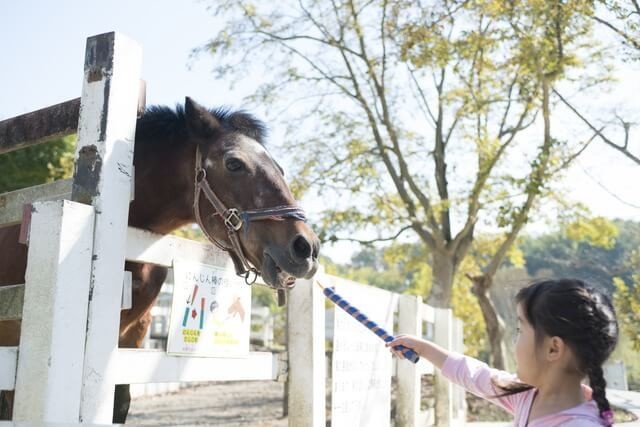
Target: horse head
242,201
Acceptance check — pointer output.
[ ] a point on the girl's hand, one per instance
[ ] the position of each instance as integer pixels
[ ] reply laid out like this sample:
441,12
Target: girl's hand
408,341
428,350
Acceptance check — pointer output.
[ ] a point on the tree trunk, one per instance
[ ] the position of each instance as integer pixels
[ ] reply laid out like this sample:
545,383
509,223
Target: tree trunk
443,270
494,323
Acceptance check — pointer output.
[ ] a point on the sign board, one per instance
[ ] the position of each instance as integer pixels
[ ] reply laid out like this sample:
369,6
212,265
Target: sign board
361,365
210,312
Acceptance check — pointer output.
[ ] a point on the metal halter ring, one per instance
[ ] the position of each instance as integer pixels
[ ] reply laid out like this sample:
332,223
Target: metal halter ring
201,174
248,274
230,216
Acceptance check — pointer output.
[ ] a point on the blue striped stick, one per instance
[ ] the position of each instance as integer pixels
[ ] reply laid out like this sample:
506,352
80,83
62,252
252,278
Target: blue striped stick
373,326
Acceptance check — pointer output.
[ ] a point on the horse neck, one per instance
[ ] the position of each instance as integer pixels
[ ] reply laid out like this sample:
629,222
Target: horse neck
163,189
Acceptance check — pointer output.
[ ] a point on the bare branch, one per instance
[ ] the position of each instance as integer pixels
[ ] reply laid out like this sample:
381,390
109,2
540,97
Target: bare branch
537,174
398,179
371,241
503,122
575,155
384,44
481,179
519,126
423,98
611,193
405,174
620,148
626,36
627,127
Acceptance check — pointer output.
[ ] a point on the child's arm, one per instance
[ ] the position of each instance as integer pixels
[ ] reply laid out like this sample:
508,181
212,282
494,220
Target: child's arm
430,351
471,374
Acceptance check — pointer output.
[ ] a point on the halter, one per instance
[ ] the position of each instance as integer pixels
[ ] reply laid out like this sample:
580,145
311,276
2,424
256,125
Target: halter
234,219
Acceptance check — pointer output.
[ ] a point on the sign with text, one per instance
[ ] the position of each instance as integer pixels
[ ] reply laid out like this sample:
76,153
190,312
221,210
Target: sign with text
210,312
361,365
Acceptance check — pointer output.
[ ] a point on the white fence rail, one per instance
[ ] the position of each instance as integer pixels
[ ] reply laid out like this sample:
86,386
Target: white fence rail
51,353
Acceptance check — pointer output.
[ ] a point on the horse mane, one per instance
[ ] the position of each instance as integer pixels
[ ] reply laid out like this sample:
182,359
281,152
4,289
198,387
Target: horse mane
162,124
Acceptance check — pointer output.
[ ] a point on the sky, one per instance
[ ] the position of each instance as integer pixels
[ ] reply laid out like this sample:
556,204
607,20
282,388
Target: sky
42,47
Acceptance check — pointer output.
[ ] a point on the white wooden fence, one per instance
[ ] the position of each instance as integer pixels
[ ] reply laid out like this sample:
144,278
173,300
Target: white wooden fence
68,361
307,366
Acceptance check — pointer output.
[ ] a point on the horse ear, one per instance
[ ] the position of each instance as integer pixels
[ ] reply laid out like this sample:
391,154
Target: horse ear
199,120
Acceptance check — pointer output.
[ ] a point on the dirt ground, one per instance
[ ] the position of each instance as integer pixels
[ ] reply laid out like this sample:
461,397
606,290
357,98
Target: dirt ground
260,404
234,404
239,404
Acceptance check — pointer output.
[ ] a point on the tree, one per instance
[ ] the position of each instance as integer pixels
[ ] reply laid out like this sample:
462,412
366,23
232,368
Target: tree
547,38
595,251
627,303
37,164
621,18
416,108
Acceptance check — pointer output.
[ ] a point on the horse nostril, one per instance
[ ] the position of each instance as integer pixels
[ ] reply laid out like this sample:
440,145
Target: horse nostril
301,247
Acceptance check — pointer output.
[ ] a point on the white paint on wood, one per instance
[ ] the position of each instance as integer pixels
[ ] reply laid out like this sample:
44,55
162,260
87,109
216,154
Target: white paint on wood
155,366
428,314
127,291
13,201
408,398
307,373
107,124
8,363
145,246
54,313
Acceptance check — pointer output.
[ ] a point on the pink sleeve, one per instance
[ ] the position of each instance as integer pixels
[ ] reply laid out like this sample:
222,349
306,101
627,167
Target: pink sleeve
475,377
582,422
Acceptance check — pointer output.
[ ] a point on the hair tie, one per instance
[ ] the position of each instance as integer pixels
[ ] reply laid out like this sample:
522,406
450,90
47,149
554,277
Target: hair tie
607,416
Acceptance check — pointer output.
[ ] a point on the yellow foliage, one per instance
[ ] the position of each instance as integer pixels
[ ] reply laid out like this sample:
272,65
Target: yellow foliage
191,232
485,246
597,231
464,304
422,281
627,302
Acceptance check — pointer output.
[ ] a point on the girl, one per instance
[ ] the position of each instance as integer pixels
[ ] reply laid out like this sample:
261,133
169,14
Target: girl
566,332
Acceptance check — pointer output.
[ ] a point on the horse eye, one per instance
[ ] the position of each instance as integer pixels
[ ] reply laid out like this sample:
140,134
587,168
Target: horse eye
234,165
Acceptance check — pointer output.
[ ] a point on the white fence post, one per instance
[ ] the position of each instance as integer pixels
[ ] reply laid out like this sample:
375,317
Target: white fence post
443,324
409,378
104,157
307,372
54,315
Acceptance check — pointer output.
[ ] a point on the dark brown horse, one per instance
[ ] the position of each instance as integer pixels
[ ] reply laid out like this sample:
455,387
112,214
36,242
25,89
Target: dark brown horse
227,150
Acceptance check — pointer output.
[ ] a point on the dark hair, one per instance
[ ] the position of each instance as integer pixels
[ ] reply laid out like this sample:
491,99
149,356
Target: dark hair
585,320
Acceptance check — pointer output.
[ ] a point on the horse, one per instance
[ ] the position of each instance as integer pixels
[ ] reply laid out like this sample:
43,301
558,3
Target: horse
204,166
